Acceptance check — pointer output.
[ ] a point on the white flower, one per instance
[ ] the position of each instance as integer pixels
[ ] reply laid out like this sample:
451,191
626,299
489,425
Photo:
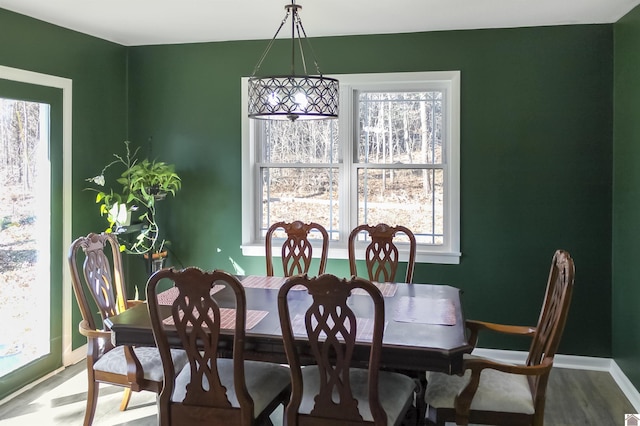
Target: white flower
98,180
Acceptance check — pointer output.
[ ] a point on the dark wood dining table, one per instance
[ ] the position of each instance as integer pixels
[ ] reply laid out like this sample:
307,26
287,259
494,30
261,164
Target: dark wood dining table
424,328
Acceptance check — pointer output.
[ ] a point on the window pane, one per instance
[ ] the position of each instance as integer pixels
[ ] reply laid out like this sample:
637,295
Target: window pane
305,194
411,198
401,127
300,141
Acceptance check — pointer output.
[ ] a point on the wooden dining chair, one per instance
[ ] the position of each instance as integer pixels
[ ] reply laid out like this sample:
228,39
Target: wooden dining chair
297,250
330,391
381,254
495,393
210,389
99,287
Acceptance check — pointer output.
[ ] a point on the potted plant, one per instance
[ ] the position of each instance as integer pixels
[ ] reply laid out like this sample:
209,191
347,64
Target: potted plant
150,180
140,184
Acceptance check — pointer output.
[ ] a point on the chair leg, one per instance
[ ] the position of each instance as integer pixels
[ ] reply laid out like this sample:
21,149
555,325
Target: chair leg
92,401
125,399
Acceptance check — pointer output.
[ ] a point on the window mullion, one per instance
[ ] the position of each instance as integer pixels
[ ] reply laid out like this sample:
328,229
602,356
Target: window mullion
400,166
346,135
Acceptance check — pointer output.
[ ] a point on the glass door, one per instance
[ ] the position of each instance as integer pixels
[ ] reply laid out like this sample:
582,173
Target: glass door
24,233
30,283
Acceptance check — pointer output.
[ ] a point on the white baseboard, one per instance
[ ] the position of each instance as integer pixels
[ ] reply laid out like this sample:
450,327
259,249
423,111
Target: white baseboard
625,384
573,361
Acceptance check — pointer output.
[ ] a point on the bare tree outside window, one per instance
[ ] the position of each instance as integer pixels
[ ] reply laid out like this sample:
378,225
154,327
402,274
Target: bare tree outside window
399,163
299,171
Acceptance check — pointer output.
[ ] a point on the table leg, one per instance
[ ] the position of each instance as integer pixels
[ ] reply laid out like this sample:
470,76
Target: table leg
416,416
421,405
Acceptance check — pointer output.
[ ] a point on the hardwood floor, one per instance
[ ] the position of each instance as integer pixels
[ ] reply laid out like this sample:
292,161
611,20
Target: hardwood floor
574,397
61,400
578,397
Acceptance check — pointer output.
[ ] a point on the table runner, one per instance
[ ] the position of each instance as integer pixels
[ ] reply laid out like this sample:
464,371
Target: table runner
425,310
228,318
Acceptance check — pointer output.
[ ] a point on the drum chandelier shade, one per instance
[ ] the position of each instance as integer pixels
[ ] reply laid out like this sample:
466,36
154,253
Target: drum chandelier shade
293,97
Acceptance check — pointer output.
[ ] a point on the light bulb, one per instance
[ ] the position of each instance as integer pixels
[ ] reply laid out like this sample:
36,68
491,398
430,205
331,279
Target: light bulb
301,100
273,99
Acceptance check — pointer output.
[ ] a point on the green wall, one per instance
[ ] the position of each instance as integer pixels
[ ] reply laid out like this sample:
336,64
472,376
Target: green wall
626,197
98,70
536,155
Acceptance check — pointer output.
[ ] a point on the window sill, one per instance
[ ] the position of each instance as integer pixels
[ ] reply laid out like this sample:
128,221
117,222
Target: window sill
341,252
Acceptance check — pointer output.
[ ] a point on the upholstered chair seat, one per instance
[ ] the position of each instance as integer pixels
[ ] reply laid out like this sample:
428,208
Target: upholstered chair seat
263,380
395,392
497,391
115,361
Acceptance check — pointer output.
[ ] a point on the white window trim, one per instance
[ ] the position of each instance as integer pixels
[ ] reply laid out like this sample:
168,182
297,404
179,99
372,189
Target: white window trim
449,252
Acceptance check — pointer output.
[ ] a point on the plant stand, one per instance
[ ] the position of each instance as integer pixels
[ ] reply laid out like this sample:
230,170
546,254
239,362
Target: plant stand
155,262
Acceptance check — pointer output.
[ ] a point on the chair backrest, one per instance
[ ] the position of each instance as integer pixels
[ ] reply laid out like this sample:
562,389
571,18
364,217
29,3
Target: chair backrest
297,250
381,254
194,317
103,280
331,326
553,317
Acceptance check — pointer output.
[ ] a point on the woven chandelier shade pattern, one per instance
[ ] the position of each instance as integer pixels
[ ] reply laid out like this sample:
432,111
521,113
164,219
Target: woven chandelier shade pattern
297,96
293,97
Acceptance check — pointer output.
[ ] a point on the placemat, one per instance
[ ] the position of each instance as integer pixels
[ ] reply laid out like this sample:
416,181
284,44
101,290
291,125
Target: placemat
270,283
425,310
363,334
255,281
228,318
169,296
387,289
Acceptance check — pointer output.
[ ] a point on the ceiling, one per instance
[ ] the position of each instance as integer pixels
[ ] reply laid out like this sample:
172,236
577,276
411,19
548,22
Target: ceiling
144,22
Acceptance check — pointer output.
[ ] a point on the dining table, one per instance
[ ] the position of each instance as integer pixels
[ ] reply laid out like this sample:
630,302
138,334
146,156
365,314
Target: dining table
424,325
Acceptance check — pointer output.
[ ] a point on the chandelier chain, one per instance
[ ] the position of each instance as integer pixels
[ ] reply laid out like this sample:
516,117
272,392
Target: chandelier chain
266,51
313,53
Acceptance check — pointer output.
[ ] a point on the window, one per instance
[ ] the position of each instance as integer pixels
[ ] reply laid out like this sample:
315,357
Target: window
392,156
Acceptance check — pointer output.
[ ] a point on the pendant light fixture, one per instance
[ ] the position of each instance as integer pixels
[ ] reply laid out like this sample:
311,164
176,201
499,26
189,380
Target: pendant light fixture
294,96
